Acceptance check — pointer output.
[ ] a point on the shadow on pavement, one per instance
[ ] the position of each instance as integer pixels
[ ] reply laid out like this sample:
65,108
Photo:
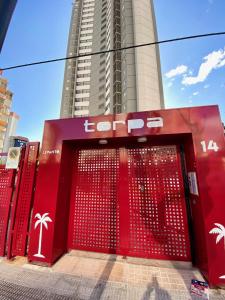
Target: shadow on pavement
101,284
154,288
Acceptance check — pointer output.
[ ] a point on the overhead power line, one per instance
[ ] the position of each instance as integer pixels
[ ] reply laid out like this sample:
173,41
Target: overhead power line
113,50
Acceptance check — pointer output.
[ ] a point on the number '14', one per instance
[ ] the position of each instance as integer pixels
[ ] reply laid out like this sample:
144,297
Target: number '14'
211,145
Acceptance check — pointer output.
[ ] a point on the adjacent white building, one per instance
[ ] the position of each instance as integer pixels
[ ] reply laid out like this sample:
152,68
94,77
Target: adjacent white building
10,131
5,105
122,81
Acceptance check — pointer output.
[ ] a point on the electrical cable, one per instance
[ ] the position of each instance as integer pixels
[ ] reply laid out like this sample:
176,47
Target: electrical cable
113,50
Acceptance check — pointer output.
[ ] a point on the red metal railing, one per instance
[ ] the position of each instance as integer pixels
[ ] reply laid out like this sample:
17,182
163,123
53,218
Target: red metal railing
6,191
18,236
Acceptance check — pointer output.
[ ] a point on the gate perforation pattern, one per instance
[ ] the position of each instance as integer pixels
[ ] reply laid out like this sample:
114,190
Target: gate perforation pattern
6,190
156,216
95,216
158,220
25,200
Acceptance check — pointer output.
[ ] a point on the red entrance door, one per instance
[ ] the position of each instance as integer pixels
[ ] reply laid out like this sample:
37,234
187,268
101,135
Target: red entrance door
129,201
158,225
94,215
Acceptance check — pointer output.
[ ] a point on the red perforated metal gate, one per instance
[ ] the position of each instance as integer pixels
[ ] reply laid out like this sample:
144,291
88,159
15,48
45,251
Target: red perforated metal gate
6,190
16,196
23,204
158,220
129,201
94,202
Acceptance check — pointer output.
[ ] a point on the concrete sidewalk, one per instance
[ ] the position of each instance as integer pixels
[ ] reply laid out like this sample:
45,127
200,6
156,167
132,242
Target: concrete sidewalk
84,275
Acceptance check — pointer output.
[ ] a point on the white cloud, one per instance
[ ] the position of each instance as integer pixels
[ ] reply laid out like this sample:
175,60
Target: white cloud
212,61
222,63
195,93
182,89
178,71
206,86
169,84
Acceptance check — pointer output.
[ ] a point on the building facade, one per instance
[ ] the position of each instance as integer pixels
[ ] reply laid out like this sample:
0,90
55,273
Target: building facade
14,141
6,10
9,139
5,105
129,196
116,82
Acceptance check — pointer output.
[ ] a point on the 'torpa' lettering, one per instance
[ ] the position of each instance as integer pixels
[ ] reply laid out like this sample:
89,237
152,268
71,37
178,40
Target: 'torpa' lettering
131,124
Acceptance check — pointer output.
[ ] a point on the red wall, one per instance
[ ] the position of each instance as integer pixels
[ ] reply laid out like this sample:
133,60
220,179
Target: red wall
194,125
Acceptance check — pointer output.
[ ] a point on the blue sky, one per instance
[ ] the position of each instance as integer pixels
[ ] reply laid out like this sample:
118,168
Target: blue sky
193,71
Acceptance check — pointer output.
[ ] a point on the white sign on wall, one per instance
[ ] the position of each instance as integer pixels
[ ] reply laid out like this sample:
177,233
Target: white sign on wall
13,158
131,124
193,185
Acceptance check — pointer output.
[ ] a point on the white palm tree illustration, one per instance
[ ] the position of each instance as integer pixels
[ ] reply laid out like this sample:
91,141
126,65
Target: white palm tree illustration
220,230
42,220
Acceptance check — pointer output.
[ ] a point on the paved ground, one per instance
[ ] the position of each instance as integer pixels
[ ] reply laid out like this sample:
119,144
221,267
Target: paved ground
81,275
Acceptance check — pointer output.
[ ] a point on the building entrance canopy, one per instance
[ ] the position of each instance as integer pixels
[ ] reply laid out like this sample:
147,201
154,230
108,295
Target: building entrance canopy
158,153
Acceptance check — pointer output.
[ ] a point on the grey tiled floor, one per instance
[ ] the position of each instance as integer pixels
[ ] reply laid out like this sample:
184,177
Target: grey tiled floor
90,278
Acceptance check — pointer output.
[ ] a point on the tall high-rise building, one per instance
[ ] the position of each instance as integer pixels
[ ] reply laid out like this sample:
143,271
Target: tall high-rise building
5,105
116,82
6,10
